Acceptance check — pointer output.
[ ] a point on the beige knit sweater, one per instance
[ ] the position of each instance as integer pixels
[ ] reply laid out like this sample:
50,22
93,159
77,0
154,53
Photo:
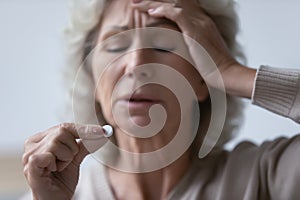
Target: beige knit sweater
278,90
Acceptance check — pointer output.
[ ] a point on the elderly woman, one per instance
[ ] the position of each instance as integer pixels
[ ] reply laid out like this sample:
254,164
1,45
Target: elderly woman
144,74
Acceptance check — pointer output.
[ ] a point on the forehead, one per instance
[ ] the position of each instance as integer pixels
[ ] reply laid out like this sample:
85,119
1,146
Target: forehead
119,14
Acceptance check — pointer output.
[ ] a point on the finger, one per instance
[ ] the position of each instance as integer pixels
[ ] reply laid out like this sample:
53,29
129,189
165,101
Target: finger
167,11
145,5
37,137
31,141
64,156
53,138
159,9
83,131
174,3
27,154
78,158
82,153
66,138
67,133
172,11
168,1
39,167
93,137
60,151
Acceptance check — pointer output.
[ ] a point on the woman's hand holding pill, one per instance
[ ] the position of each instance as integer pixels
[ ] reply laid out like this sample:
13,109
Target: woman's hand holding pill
52,158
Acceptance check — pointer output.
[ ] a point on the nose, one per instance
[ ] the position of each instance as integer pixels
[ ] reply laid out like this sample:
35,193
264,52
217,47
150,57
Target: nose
138,64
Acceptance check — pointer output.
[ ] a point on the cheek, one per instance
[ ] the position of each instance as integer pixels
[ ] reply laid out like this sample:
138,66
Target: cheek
105,80
103,93
191,74
105,74
105,86
183,67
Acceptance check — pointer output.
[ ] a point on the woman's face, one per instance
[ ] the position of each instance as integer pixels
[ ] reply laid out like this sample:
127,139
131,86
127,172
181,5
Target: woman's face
119,70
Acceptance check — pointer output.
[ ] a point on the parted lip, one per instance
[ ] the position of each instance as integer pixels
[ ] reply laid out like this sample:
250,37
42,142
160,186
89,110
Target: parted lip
140,97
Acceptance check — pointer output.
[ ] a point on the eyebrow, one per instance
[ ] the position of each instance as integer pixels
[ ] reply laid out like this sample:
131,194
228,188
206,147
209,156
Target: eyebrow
152,24
162,22
123,28
109,31
115,28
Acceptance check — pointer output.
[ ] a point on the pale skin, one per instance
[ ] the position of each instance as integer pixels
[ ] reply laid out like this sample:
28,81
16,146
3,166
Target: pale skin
52,158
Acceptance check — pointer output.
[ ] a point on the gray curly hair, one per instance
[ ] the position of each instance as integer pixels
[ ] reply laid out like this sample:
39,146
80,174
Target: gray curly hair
84,17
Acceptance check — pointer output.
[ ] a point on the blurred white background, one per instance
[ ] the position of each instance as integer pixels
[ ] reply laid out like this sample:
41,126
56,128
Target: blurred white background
31,61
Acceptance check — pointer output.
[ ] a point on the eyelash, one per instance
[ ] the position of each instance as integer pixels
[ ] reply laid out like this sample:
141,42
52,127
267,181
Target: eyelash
160,49
123,49
164,50
116,50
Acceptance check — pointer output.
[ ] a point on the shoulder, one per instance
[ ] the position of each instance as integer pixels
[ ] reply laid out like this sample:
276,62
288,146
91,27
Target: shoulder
281,146
268,155
272,168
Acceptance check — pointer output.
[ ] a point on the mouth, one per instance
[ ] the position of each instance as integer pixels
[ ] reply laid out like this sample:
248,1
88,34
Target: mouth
140,101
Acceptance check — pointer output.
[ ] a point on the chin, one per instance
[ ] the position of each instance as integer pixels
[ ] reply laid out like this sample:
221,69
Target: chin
140,120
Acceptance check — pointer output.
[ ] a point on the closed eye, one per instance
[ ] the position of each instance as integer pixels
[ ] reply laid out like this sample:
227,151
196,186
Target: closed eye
116,50
117,43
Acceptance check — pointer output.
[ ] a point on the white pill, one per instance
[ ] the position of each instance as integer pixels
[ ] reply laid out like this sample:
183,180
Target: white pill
108,130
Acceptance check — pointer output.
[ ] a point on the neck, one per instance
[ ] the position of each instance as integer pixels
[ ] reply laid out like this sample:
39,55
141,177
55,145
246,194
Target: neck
152,177
142,145
151,185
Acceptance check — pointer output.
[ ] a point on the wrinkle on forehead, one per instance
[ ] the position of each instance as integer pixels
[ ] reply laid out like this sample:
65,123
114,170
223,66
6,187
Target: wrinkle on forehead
119,16
120,13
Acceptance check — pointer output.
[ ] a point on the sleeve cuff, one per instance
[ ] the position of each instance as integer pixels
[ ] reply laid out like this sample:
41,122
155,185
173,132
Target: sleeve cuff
278,90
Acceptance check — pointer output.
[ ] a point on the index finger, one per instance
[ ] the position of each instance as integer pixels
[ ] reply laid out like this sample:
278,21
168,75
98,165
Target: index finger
84,131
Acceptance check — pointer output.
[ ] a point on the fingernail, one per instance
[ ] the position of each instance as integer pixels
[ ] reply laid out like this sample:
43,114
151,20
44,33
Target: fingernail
151,10
90,132
136,1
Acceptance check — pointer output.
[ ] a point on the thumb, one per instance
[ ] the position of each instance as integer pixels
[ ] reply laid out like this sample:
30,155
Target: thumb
82,153
92,138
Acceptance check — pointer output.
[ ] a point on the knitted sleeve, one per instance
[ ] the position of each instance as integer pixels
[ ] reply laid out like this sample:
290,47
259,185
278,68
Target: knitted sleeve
278,90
